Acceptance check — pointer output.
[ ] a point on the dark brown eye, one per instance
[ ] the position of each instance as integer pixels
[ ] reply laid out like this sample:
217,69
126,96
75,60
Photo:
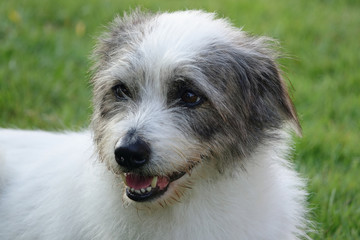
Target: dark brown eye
121,92
190,99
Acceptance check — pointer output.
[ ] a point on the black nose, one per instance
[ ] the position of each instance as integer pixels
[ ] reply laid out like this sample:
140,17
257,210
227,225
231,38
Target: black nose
133,155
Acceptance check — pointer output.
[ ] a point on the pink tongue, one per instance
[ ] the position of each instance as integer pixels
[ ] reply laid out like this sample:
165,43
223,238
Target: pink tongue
162,182
138,182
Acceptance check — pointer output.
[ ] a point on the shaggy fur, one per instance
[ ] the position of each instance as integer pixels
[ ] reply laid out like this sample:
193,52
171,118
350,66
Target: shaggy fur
207,103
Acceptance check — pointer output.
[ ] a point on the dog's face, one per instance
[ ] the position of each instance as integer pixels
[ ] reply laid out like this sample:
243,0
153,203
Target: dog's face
177,95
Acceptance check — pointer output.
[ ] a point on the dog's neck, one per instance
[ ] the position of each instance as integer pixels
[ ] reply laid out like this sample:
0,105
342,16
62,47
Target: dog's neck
211,207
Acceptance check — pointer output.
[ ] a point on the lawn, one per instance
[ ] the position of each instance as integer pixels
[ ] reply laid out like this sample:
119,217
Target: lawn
45,47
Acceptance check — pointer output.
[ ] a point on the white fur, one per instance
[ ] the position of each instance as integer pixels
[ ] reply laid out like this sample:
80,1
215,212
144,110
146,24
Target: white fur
53,186
55,189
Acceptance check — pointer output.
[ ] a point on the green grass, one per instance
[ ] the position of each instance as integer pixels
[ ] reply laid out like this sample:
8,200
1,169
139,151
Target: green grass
44,49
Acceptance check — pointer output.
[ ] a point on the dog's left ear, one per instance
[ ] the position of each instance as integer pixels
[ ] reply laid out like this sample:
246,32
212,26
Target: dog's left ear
270,85
263,89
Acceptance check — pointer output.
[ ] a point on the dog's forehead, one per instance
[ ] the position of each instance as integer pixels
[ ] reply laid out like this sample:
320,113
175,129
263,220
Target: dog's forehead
169,45
173,41
180,36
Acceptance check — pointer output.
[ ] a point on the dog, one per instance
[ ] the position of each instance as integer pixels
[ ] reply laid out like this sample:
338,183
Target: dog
189,139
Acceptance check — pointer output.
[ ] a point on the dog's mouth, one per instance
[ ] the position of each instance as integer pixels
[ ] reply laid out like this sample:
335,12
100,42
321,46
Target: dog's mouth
141,188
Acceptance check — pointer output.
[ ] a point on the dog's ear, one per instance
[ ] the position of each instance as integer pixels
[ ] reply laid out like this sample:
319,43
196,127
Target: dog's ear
119,35
262,85
248,72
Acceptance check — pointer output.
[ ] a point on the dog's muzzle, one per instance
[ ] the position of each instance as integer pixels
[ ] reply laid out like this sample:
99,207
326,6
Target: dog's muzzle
134,156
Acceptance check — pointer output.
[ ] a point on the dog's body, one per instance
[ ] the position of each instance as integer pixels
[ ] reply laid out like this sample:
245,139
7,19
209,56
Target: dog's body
189,140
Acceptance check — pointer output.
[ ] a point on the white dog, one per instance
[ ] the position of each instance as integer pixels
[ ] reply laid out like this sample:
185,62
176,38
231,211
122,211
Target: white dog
189,140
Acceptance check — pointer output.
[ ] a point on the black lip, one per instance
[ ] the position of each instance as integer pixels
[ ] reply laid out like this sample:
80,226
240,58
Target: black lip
176,176
154,193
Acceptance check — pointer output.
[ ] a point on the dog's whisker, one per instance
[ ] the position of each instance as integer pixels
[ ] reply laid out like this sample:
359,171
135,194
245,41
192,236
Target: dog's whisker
177,194
188,171
176,200
185,186
161,204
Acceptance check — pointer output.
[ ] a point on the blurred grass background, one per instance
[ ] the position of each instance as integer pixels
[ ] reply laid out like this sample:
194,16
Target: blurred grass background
44,49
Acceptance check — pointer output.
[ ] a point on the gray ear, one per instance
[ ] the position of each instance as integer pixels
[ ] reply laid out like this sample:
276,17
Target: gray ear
119,35
267,92
262,87
255,90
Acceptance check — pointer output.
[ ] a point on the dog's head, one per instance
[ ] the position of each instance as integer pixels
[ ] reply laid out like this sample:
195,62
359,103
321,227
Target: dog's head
176,94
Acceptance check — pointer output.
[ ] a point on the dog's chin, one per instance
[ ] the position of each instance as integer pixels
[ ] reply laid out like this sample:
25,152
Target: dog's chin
146,189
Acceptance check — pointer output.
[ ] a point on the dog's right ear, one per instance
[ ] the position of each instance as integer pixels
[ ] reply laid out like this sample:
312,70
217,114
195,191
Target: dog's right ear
119,35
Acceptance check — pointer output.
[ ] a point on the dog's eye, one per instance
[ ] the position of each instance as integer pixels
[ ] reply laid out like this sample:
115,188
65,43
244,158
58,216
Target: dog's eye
190,99
121,92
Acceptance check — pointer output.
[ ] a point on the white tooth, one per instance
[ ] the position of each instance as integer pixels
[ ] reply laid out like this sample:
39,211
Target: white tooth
142,190
148,189
123,178
154,182
137,191
132,189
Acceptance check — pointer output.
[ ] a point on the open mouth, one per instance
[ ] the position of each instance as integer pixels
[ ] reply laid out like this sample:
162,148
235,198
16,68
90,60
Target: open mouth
144,188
